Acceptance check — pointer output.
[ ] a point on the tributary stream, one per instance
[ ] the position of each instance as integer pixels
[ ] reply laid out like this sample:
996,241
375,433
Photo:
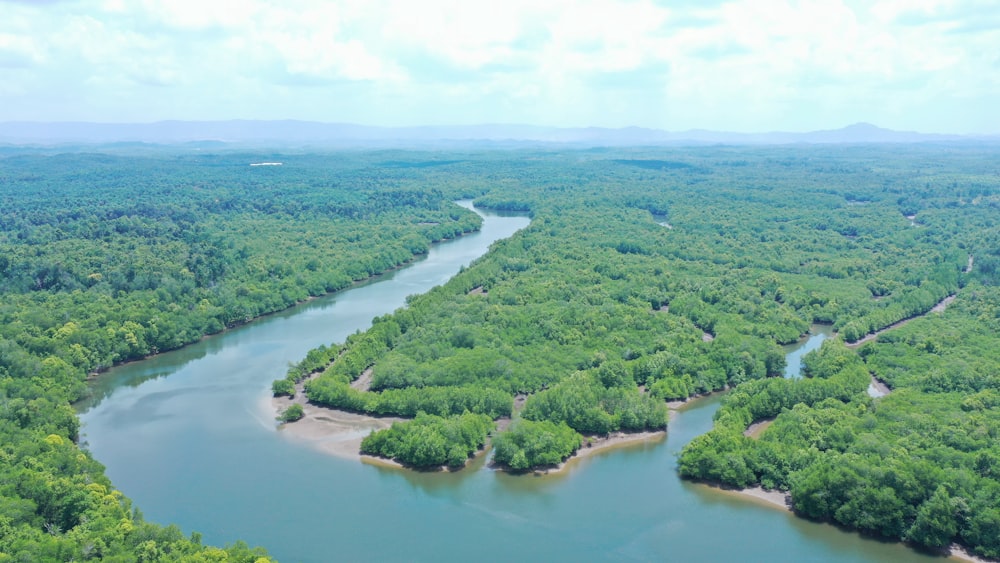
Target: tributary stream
188,436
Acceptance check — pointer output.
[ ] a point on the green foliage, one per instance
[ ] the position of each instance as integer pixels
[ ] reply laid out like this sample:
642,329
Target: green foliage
107,258
316,360
431,441
936,522
292,413
283,387
57,505
726,455
527,444
718,456
583,402
101,267
672,388
598,297
920,464
441,401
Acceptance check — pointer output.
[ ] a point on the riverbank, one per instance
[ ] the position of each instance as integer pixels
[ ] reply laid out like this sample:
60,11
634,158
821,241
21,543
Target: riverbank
374,278
759,495
757,428
340,433
678,406
615,440
959,553
330,431
599,444
783,501
937,308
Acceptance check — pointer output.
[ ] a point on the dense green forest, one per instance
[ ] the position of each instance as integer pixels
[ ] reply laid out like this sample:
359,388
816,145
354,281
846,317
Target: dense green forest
921,464
646,275
658,275
108,258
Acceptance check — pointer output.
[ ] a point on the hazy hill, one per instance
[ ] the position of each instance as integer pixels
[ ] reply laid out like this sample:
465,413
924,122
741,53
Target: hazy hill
292,132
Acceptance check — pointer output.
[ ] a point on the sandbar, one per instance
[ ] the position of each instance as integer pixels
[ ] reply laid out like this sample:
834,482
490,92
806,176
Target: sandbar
775,499
328,430
959,553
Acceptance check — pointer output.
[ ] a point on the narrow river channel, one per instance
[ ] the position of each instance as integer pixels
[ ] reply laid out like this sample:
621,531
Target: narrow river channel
187,435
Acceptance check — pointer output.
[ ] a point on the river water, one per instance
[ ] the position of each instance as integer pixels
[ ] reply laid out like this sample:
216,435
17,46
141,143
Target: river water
185,435
794,352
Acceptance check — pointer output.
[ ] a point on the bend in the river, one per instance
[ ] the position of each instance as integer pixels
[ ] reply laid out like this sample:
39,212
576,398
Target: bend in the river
186,436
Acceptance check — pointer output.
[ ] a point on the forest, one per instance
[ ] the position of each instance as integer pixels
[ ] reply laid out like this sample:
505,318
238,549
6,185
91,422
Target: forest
644,279
647,275
921,463
106,258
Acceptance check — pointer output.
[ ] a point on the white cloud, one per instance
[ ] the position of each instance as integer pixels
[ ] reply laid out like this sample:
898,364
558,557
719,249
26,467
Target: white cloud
19,51
743,64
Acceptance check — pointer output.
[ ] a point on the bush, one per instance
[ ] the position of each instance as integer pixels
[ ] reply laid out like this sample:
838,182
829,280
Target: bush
430,440
283,387
292,413
527,444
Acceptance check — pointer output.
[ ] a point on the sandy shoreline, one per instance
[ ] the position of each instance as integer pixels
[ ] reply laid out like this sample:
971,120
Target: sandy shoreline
330,431
340,433
779,499
600,444
676,407
959,553
759,495
380,461
616,440
757,428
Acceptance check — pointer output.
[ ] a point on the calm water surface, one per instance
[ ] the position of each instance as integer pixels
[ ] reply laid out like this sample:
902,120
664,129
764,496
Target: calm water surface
794,352
187,436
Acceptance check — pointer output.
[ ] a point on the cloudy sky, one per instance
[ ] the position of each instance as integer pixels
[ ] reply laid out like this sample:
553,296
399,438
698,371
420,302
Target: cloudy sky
741,65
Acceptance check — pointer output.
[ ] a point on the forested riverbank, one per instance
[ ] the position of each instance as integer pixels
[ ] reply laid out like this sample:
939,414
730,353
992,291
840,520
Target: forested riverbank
111,258
646,275
597,312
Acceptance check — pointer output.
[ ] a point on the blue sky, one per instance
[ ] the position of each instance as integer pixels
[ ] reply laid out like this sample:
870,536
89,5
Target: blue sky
744,65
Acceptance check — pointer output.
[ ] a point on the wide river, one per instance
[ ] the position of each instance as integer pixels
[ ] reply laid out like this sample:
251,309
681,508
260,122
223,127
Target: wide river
187,435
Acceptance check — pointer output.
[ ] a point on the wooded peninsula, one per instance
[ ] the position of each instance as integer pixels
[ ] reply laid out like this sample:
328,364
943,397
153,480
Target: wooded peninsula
647,275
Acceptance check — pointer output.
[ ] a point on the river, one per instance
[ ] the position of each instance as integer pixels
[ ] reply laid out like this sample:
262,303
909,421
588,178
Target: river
185,435
795,351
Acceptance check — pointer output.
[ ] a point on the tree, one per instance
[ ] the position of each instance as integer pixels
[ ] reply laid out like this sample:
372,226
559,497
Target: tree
936,523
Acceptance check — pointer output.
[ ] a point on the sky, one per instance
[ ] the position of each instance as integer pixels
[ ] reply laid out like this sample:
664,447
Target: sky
741,65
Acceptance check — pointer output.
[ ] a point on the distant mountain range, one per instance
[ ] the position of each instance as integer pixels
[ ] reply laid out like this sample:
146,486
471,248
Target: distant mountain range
309,133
